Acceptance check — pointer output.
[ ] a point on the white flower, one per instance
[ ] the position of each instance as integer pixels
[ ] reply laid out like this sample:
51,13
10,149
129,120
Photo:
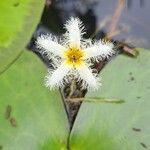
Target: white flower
72,56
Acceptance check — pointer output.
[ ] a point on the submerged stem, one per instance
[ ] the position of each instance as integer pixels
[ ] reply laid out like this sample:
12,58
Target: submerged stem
97,100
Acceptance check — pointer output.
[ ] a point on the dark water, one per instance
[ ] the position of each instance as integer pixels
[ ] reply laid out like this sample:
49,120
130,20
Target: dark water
135,17
97,15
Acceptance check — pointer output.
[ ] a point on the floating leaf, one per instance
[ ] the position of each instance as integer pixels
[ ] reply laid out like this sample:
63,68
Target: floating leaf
31,116
110,126
19,19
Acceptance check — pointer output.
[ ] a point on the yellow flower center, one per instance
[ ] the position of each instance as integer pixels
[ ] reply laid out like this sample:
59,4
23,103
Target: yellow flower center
74,57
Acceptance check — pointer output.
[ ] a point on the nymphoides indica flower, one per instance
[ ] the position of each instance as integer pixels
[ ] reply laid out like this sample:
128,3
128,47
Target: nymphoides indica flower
72,56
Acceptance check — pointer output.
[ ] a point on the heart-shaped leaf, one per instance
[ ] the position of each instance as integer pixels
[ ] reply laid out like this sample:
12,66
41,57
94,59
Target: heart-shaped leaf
31,117
113,126
18,20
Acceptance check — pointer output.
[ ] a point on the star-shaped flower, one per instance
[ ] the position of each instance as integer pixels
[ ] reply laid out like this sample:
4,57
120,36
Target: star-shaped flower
72,56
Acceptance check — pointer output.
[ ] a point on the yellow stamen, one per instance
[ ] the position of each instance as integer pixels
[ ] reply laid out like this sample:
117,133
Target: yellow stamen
74,57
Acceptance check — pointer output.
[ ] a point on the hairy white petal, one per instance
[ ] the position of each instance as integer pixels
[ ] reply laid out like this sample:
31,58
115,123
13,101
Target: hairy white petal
61,74
50,45
88,77
55,79
100,50
75,31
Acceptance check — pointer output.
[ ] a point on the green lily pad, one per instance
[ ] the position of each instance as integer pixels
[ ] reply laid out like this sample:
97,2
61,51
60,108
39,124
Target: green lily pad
113,126
18,20
31,116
